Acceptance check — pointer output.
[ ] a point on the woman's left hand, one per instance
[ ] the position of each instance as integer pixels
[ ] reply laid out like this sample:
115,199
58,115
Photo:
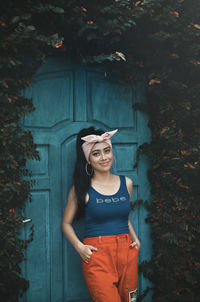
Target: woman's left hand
136,244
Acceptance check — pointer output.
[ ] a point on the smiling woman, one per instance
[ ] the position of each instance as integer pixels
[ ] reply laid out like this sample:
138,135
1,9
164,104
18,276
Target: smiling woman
101,157
101,153
109,251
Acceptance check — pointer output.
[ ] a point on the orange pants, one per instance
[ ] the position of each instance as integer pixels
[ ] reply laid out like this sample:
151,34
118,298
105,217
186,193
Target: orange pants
112,272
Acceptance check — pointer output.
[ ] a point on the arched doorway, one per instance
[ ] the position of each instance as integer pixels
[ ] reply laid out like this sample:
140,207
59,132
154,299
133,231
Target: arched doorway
69,97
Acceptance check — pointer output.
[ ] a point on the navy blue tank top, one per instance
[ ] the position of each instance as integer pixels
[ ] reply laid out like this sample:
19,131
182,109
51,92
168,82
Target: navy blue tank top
107,214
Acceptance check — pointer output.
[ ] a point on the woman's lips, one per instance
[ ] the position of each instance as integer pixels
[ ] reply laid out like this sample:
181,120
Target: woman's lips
105,164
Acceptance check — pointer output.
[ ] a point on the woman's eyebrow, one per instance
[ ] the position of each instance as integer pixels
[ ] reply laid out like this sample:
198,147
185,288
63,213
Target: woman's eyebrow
100,149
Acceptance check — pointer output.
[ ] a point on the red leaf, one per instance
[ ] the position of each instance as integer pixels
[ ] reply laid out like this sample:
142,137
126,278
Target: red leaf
184,152
137,3
154,81
190,165
58,45
83,9
197,26
164,129
184,186
2,23
175,13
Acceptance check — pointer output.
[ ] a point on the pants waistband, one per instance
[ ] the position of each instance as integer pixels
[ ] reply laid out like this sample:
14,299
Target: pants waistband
108,239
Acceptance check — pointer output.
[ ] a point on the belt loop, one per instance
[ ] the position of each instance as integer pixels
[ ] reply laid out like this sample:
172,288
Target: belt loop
99,239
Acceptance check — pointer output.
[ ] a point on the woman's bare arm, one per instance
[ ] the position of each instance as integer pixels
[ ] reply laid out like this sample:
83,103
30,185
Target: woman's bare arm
134,237
85,251
68,217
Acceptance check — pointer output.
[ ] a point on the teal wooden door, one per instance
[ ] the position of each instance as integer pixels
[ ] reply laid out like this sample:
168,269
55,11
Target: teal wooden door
67,98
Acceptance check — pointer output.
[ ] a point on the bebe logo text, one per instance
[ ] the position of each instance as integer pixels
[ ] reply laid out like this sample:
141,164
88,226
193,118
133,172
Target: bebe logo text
109,200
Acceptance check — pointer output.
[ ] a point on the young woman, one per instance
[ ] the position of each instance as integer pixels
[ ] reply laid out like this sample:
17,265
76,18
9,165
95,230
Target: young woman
109,251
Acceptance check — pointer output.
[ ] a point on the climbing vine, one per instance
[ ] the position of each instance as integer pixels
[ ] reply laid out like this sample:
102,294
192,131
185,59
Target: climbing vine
22,40
156,41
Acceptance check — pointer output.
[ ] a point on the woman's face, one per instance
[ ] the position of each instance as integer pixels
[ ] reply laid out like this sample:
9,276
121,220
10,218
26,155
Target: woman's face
101,157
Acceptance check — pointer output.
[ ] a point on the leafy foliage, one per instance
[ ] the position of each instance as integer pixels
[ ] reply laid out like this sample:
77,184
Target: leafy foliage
155,41
22,39
171,29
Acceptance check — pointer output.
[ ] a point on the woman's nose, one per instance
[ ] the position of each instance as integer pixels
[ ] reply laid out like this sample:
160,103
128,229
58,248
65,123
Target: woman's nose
103,156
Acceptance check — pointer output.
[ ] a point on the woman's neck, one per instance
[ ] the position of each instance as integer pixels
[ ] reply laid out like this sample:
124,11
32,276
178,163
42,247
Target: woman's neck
102,177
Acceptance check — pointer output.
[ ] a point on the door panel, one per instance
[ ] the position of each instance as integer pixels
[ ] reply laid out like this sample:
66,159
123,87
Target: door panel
52,97
40,254
127,152
74,286
69,97
106,99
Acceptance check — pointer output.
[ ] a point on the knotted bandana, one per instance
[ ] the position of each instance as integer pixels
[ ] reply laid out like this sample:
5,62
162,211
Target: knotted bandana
90,141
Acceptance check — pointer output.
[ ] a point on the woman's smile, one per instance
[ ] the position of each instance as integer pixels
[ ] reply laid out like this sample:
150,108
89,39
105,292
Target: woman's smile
106,164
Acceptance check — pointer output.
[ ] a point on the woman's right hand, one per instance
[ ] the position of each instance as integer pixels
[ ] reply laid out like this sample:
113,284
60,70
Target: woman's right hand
86,251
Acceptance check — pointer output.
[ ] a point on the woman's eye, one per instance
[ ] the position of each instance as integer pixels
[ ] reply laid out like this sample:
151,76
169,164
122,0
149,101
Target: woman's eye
95,154
107,151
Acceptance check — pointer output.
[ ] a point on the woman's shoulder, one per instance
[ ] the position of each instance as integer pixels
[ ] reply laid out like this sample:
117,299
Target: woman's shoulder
129,184
129,181
126,178
72,193
72,190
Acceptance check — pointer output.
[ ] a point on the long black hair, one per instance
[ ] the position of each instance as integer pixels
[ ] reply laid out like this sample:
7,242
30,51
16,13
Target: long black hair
82,180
